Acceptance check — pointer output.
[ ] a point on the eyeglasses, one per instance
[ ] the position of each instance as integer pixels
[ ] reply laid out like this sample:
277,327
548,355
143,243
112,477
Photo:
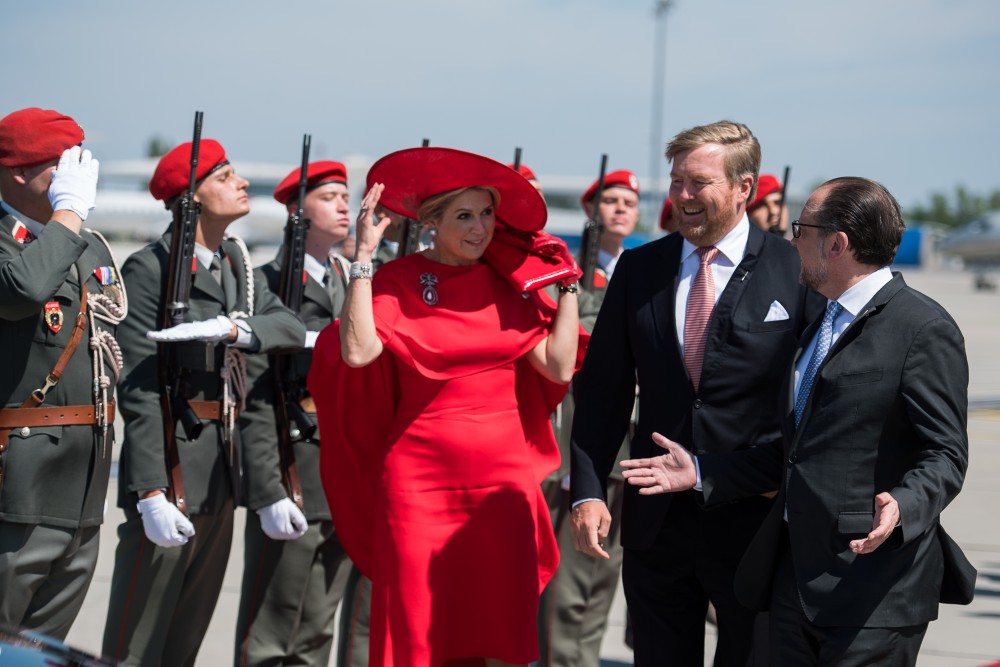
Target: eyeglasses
797,228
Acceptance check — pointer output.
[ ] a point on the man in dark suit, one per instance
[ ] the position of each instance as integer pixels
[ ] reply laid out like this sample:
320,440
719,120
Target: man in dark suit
168,566
294,568
852,560
705,320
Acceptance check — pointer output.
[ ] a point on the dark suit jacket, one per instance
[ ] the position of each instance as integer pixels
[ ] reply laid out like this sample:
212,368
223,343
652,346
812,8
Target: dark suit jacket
887,413
262,480
635,339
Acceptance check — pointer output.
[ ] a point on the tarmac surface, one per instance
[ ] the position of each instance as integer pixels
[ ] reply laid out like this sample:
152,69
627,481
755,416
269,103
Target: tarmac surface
961,637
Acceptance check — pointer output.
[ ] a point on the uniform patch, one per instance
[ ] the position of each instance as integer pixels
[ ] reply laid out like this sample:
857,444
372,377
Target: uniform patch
21,233
53,316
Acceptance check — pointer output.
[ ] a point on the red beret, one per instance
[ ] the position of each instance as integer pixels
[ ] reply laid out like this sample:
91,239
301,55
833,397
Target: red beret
174,169
623,178
766,184
318,173
414,174
32,136
668,207
525,171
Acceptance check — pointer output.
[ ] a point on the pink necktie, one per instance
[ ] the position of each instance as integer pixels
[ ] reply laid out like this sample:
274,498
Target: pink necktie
701,301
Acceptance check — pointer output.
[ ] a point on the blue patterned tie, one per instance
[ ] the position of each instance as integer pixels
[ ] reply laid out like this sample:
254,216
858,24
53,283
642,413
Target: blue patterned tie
823,339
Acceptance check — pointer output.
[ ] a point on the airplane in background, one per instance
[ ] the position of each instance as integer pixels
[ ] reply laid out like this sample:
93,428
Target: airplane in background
977,244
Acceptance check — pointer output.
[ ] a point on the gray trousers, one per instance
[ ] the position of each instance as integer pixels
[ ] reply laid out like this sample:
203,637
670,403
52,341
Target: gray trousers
162,599
289,596
45,572
573,611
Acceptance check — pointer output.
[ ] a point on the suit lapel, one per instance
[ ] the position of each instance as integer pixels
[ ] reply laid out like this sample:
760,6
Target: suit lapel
665,292
315,292
872,308
722,314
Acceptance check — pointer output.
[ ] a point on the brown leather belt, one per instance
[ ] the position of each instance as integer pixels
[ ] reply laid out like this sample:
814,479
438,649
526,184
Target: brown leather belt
63,415
308,405
211,410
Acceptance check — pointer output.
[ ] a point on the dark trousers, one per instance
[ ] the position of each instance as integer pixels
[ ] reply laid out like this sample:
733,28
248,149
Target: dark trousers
289,596
162,599
797,641
355,621
692,562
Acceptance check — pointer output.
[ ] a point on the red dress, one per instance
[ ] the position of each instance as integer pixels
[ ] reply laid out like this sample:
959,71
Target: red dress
432,461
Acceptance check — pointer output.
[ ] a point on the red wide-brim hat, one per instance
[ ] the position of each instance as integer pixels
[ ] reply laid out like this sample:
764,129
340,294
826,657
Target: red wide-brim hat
412,175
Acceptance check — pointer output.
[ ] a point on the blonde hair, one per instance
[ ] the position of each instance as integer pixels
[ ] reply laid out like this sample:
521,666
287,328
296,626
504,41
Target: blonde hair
741,148
434,206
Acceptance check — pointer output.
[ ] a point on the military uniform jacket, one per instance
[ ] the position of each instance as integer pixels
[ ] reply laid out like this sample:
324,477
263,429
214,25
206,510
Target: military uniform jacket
204,460
320,306
55,475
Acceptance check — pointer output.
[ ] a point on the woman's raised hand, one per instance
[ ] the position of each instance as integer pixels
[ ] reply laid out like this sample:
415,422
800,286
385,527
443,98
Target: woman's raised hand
369,230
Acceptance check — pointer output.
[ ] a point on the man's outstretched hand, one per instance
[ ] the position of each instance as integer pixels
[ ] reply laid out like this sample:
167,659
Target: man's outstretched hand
673,471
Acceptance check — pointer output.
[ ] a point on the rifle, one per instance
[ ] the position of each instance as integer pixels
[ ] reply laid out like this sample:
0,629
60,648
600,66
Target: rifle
409,237
292,420
776,228
173,383
590,241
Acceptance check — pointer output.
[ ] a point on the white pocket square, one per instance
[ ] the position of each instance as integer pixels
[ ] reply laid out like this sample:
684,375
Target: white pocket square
776,313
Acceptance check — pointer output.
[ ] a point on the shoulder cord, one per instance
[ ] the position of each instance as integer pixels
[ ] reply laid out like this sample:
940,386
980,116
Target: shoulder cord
104,348
234,366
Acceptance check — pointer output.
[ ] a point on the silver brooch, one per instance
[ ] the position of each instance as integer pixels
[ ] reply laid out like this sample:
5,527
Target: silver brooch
430,293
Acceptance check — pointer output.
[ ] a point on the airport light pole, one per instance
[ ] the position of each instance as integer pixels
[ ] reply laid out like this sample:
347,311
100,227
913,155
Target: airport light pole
655,200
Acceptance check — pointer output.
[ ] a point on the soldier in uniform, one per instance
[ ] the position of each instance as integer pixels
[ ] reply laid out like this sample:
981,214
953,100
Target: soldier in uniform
60,301
294,566
767,210
574,607
168,566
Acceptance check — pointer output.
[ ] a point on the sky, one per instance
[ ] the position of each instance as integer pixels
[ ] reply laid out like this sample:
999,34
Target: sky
902,91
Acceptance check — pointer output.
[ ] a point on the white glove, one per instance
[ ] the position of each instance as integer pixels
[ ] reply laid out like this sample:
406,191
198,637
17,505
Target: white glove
283,520
311,337
215,329
163,523
74,182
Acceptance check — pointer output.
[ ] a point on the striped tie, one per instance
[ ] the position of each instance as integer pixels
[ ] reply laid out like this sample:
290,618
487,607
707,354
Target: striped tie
701,301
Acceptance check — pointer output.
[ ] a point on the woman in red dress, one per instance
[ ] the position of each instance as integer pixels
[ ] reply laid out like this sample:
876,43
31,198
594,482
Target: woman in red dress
436,388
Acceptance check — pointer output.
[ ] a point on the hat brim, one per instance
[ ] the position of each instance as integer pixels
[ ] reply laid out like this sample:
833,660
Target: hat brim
412,175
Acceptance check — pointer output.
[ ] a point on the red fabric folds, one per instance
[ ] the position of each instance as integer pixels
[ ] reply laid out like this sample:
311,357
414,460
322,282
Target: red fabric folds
530,260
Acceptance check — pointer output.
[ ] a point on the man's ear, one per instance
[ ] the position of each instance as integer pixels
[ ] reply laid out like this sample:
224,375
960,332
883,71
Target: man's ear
746,185
840,245
19,174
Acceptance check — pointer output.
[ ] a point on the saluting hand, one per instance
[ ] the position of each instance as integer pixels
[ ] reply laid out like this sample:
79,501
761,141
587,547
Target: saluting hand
886,520
674,471
369,230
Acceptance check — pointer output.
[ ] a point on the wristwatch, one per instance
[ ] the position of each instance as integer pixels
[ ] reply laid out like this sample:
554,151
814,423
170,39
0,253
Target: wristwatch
569,289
